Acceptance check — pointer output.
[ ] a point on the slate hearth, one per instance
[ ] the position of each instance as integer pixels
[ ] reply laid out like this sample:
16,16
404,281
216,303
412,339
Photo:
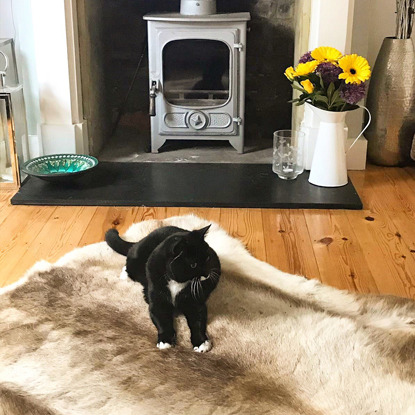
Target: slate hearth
187,185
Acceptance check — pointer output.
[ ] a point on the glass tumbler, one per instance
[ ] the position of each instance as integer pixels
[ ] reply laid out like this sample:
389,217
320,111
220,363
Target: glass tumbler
288,155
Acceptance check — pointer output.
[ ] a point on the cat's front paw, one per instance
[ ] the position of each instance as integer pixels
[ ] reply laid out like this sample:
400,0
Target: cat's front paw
124,275
162,345
204,347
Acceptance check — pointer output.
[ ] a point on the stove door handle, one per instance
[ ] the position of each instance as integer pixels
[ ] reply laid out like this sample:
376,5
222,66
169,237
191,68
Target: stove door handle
153,93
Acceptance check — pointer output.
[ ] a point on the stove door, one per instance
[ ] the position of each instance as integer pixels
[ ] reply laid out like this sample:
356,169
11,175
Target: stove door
196,73
198,79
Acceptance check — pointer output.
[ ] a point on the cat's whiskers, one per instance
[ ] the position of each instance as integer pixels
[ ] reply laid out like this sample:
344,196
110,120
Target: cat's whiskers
196,290
214,276
200,288
193,288
197,282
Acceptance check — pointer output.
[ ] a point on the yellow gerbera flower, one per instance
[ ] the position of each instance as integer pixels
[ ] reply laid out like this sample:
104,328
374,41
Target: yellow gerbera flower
326,54
290,73
308,86
303,69
356,69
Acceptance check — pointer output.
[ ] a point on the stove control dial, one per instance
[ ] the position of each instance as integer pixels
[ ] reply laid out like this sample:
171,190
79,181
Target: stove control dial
197,120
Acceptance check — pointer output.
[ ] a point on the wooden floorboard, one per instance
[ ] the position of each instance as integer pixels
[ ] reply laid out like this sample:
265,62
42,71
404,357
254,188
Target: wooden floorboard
368,251
338,253
246,225
287,242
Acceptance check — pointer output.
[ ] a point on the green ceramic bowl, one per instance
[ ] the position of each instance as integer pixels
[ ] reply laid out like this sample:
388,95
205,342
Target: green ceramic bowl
59,167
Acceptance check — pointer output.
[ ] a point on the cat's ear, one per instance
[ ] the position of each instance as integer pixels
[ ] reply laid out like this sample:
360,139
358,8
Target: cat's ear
178,246
202,232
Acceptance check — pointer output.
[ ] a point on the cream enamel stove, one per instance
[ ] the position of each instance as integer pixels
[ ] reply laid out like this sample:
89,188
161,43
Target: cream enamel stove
197,74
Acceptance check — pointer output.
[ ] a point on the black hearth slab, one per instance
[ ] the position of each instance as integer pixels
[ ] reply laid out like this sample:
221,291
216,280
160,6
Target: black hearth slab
187,185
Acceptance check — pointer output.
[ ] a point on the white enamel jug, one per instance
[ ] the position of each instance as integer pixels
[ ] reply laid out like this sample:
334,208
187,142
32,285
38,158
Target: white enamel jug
328,168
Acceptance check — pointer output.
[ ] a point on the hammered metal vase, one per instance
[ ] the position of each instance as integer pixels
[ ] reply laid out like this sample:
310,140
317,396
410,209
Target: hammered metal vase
391,101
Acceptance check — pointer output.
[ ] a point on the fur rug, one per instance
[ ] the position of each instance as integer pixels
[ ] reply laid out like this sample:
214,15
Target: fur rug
75,339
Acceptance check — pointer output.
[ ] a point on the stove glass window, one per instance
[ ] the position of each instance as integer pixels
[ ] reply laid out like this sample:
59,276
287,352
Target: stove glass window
196,72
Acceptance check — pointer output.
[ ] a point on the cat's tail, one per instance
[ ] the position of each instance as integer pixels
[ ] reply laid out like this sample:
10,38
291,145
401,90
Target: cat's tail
118,244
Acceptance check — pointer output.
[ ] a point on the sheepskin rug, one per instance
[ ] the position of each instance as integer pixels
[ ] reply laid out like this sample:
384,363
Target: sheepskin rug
75,339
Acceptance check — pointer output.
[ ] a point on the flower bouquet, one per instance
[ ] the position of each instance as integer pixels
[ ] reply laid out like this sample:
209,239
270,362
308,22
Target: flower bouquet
329,80
331,84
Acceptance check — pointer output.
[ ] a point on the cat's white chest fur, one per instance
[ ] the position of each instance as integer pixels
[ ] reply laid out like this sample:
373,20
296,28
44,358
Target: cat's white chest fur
175,287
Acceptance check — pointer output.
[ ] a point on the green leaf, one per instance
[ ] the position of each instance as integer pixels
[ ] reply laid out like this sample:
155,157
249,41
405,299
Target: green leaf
321,82
314,78
298,88
330,91
336,106
336,96
321,98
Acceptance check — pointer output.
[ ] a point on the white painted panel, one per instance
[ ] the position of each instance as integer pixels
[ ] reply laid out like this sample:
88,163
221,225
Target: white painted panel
52,61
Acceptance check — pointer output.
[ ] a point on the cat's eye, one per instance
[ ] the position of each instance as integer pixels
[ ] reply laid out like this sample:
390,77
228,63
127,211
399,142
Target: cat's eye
194,265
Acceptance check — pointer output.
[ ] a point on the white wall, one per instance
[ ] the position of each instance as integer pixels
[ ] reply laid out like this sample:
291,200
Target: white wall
47,62
373,21
62,126
16,23
382,24
52,61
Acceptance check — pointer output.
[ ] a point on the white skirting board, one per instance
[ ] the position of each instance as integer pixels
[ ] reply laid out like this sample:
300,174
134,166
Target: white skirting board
356,156
35,146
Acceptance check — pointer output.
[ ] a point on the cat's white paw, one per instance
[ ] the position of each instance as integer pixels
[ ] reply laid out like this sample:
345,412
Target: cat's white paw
204,347
162,345
124,275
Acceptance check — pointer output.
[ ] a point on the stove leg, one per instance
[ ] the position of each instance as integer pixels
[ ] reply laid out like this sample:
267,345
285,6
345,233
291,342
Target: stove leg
156,143
238,144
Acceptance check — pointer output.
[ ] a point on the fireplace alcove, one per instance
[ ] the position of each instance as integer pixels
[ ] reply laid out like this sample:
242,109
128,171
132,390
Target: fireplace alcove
116,93
105,42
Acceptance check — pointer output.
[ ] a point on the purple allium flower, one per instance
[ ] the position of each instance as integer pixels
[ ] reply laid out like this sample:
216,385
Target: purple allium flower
353,93
306,58
329,72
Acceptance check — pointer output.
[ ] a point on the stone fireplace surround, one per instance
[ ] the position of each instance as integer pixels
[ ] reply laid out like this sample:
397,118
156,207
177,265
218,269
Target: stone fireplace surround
67,108
269,49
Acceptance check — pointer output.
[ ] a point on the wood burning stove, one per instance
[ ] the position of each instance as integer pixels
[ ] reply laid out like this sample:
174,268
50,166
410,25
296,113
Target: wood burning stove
197,74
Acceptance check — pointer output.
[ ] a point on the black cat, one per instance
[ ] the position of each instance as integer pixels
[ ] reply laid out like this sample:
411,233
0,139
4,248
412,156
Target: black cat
178,271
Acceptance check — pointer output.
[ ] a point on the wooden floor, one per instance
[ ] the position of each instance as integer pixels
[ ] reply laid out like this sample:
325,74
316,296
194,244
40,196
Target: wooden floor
372,250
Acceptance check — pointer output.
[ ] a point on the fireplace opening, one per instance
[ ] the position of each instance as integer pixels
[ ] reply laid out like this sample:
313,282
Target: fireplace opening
116,89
